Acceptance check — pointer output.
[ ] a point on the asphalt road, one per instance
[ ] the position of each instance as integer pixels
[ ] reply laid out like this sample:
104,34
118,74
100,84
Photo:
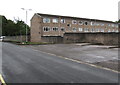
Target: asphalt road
26,65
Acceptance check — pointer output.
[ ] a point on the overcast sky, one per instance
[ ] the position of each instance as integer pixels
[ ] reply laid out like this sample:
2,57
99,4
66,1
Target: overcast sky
94,9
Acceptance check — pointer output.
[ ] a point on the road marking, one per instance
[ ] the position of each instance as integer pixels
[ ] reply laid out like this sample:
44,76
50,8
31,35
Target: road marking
2,80
78,61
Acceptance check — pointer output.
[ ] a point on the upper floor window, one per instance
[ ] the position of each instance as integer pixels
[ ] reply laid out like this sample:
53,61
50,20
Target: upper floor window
69,25
55,20
102,24
46,20
85,23
92,23
109,25
97,24
74,22
46,29
112,25
62,21
80,22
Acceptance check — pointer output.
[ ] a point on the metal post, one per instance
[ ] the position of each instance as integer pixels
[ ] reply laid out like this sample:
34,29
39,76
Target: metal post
26,27
26,22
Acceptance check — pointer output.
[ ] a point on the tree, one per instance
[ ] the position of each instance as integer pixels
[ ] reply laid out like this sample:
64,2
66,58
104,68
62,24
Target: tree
11,28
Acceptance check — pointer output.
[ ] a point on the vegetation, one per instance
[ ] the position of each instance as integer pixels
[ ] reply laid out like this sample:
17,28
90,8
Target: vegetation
11,28
27,43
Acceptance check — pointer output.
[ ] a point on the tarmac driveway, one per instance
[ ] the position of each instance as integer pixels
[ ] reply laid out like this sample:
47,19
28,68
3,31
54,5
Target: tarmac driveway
83,52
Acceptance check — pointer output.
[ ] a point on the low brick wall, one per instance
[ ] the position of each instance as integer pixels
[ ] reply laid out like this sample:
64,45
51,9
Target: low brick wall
16,38
103,38
52,39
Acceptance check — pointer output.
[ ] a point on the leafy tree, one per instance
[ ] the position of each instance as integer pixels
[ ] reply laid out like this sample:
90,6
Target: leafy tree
11,28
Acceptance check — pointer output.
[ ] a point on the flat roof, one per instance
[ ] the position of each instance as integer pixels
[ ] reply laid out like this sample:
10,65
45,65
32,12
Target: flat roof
75,17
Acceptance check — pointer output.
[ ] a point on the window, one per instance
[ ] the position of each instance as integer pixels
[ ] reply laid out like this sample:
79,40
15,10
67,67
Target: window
109,30
74,22
86,23
62,21
113,30
97,24
102,30
112,25
109,25
62,29
117,30
46,20
55,20
55,28
116,25
69,25
92,29
92,23
86,30
80,29
74,29
102,24
97,29
46,29
80,22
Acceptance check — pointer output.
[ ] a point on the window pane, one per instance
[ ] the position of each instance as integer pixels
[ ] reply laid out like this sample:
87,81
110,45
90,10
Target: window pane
55,20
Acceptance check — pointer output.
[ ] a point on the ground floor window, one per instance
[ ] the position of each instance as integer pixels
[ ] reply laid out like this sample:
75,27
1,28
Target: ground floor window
46,29
80,29
62,29
55,28
74,29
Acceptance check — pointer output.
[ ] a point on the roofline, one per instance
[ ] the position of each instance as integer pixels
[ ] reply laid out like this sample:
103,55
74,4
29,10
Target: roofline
74,17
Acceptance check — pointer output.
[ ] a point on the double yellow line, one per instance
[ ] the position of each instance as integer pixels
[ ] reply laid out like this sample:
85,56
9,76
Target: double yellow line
2,80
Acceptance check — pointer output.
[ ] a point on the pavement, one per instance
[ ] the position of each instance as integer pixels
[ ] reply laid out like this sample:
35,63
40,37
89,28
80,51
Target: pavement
26,65
83,52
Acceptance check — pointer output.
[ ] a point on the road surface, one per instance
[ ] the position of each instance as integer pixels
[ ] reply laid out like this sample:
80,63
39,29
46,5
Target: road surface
26,65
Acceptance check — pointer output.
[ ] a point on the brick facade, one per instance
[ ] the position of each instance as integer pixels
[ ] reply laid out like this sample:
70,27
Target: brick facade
45,25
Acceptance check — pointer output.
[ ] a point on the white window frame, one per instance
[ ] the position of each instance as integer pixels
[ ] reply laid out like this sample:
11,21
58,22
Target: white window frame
80,29
80,22
85,22
55,20
45,20
92,23
109,30
116,25
113,25
74,21
62,20
49,29
102,30
75,29
55,28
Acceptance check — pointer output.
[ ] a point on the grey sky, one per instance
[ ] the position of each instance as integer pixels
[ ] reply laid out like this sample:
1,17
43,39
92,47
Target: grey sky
94,9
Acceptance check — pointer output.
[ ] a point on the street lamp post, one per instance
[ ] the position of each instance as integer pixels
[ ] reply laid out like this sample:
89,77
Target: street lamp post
26,21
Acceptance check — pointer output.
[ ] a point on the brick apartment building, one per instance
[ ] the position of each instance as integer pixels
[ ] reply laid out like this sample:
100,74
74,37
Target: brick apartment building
45,25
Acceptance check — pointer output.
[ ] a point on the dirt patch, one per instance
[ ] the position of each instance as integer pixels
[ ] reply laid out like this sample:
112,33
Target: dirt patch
112,64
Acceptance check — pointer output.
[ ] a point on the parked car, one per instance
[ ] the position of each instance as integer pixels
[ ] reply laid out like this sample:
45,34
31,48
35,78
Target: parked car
1,38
